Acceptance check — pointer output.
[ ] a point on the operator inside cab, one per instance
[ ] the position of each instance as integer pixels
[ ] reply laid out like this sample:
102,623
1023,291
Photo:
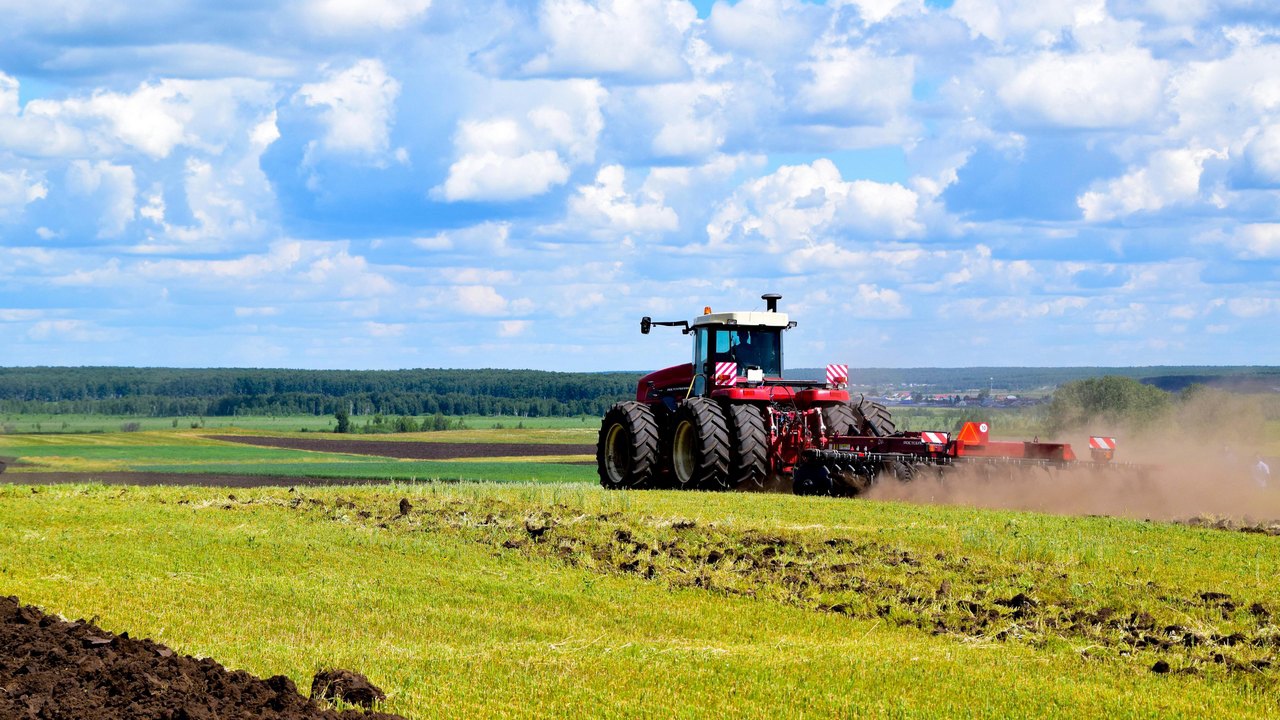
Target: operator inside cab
752,348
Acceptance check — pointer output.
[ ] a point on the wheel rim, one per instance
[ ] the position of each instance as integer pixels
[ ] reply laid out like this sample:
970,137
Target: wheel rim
615,455
682,455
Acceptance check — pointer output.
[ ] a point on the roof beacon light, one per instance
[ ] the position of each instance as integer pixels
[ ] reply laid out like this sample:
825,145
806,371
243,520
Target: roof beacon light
706,310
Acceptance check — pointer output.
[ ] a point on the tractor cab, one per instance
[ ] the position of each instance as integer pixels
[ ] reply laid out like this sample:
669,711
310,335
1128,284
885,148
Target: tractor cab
730,345
729,348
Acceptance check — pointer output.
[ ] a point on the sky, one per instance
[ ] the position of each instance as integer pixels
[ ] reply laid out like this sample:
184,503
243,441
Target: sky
376,184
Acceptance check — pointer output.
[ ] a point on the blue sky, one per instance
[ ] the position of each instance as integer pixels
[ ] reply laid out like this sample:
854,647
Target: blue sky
431,183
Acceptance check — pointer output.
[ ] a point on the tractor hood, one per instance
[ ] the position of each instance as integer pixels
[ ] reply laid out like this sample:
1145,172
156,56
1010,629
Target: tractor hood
676,376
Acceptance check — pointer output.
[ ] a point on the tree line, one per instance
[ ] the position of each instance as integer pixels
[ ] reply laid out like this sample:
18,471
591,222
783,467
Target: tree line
220,392
1204,416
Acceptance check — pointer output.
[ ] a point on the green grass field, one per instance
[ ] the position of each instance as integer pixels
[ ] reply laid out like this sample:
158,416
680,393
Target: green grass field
538,594
661,604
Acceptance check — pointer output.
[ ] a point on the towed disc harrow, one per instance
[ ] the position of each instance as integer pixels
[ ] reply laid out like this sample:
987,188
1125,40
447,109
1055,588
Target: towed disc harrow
849,466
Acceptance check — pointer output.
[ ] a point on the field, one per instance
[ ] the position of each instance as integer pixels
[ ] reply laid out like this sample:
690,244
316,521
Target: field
543,595
71,423
102,456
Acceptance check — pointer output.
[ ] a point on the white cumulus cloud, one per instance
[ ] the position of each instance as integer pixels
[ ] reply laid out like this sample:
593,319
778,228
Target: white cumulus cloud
153,119
689,119
341,17
477,300
1170,176
1256,240
488,238
606,205
766,28
806,204
856,85
1038,24
19,189
1263,154
1089,90
357,107
632,38
113,186
512,157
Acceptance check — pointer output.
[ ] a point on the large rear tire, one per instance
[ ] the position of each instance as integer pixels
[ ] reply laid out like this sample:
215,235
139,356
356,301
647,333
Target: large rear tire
875,417
748,446
700,445
839,420
627,449
858,417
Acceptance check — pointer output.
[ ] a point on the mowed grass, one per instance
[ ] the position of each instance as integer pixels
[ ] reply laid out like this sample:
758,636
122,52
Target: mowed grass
452,623
192,452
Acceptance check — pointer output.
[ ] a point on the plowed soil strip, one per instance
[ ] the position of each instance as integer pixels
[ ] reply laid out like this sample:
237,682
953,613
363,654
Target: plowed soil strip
411,450
50,668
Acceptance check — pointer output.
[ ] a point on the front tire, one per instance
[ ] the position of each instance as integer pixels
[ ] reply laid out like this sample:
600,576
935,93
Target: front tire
749,446
627,449
700,445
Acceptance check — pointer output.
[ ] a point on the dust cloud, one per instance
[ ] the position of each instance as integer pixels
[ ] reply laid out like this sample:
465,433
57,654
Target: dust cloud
1198,463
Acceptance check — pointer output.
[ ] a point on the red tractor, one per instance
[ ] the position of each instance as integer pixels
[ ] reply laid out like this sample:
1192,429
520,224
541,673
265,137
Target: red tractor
728,419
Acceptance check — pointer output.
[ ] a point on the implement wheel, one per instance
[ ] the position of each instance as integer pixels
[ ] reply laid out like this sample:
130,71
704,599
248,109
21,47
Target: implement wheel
812,478
627,449
700,445
749,446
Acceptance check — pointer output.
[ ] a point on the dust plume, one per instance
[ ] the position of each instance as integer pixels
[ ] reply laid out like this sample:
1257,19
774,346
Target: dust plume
1199,461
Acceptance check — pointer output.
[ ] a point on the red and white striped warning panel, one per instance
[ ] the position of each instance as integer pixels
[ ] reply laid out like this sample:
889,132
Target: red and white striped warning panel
935,438
837,374
1102,443
726,372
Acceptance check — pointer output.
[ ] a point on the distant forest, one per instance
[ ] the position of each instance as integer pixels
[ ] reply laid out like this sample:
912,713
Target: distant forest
173,392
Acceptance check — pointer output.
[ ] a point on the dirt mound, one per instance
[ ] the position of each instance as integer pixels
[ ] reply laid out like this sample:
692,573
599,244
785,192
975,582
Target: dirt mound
54,669
346,686
411,450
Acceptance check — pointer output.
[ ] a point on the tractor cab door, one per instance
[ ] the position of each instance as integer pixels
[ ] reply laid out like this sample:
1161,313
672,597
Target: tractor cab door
701,360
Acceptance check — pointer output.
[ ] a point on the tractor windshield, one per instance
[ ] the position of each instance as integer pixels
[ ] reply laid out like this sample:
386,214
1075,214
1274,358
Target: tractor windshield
759,347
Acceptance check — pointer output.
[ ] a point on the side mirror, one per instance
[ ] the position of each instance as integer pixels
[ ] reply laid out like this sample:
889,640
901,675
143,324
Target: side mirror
646,324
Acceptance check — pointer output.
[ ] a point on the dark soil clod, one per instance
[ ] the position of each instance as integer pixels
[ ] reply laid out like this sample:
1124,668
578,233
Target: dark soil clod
91,641
347,686
1161,667
1018,602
